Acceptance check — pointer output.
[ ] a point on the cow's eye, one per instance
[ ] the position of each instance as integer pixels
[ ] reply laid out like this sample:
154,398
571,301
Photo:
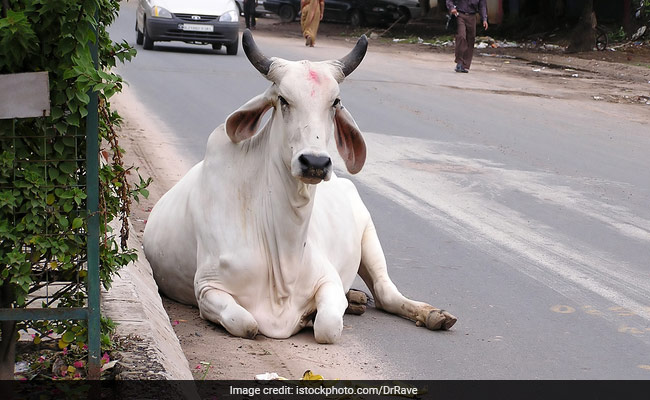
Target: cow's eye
336,102
283,101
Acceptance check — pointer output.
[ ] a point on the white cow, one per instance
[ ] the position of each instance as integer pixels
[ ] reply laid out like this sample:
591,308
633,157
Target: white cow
262,235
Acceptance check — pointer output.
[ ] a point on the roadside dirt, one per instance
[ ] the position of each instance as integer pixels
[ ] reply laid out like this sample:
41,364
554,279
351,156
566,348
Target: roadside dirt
621,75
214,354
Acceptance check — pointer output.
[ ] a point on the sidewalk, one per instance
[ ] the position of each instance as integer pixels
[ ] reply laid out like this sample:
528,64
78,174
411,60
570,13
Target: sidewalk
133,303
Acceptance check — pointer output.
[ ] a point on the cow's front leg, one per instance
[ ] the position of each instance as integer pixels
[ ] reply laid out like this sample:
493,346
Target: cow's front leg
220,307
374,272
330,307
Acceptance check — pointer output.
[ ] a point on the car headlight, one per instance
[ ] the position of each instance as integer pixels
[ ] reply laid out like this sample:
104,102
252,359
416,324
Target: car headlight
230,16
161,12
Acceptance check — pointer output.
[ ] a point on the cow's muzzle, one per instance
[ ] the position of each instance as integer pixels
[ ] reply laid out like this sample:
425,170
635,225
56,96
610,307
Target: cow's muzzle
314,168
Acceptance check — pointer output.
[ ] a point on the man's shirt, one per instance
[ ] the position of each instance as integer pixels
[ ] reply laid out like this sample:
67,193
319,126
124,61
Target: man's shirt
469,7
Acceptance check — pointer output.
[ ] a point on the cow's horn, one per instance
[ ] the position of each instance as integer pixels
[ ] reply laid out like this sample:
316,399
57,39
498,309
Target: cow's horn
350,62
259,60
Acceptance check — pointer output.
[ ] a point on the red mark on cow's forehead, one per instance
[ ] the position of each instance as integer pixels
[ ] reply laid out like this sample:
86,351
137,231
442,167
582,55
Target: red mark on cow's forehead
313,76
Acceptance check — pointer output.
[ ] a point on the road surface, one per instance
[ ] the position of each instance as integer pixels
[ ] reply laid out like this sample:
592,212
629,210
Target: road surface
520,205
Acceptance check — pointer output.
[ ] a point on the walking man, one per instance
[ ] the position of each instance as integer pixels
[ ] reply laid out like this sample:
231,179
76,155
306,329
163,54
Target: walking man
465,11
249,13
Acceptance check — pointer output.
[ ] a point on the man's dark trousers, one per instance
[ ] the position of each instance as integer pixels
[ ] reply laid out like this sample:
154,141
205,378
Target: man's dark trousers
465,37
249,13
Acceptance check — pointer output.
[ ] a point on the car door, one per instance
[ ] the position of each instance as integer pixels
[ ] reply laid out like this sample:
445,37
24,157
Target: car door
337,10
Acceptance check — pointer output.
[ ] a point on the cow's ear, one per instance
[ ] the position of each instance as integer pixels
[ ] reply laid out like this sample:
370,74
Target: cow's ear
243,123
349,141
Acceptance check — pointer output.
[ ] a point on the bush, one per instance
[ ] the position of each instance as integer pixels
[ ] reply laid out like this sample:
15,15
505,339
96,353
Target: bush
42,167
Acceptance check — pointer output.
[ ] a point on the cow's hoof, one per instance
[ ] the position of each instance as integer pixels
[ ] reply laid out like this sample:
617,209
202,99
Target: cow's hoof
440,320
357,301
355,309
243,332
250,334
357,297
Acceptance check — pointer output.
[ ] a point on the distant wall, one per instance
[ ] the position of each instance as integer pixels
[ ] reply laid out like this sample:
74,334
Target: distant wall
495,11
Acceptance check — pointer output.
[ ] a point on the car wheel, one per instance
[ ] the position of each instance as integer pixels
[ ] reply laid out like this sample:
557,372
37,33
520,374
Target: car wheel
355,18
139,37
287,13
216,46
147,41
231,50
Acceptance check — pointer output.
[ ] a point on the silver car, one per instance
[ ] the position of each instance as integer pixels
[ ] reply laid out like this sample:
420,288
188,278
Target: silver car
214,22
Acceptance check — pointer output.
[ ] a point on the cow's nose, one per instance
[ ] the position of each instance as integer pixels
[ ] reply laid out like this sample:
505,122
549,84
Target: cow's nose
315,166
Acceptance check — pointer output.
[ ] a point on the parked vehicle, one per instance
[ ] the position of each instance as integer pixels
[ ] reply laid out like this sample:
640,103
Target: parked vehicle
353,12
214,22
287,10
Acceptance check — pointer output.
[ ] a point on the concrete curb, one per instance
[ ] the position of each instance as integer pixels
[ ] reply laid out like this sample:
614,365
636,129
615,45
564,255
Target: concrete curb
134,304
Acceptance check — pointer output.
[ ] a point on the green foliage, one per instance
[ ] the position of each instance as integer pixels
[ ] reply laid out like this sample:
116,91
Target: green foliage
616,36
43,213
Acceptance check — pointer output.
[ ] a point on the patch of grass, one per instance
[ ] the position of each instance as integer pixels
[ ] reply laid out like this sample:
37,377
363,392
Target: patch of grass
616,36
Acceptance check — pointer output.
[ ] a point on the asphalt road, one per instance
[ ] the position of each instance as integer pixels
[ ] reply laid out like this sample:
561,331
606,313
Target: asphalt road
524,213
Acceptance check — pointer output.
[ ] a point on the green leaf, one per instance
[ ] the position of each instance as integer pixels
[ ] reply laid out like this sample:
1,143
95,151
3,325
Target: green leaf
59,98
68,167
71,73
73,119
56,112
68,337
77,223
53,173
62,127
67,45
68,141
83,97
59,147
65,194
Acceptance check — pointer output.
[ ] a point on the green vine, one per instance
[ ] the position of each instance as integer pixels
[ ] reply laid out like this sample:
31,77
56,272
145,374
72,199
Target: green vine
42,167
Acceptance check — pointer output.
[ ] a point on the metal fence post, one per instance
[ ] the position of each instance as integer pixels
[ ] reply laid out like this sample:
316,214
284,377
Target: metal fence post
92,181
